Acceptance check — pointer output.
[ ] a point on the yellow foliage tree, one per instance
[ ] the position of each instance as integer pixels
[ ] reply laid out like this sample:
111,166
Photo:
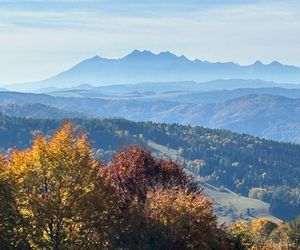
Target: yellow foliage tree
261,234
262,227
46,184
242,236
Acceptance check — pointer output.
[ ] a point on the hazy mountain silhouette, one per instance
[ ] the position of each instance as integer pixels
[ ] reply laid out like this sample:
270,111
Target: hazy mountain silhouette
145,66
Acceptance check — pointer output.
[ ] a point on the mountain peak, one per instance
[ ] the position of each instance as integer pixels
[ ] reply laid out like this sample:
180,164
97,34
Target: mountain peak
146,54
258,63
138,54
94,59
166,54
169,55
276,63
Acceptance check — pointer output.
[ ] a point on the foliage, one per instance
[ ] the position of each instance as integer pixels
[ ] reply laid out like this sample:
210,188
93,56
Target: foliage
241,235
247,165
175,214
294,231
55,195
262,194
46,184
262,227
11,232
285,202
262,234
133,171
187,219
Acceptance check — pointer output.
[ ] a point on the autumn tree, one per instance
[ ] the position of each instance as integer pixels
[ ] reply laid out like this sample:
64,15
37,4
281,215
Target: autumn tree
262,234
173,212
46,184
242,236
262,227
134,171
55,195
186,219
12,235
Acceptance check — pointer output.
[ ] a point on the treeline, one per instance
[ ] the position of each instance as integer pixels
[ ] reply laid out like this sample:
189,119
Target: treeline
56,195
239,162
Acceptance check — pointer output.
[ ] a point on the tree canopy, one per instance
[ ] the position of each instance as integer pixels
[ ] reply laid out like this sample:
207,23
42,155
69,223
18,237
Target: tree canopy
55,195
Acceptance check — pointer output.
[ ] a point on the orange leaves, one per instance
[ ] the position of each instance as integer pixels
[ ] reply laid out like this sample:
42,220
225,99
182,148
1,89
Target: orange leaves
188,218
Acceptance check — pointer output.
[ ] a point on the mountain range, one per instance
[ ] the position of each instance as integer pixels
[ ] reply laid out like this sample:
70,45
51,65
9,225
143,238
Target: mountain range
145,66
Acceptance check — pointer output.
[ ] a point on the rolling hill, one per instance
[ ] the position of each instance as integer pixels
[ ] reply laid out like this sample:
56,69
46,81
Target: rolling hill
268,116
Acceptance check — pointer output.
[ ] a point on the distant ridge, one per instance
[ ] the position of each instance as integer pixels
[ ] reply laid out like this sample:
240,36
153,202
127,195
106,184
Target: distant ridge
145,66
40,111
263,115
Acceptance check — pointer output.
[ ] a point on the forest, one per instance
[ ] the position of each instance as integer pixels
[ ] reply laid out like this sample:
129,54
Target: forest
56,195
248,165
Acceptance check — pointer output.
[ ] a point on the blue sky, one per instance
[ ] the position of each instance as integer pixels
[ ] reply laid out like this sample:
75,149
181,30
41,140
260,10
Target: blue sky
39,38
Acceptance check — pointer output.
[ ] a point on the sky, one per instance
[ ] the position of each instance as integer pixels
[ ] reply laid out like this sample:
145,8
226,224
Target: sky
40,38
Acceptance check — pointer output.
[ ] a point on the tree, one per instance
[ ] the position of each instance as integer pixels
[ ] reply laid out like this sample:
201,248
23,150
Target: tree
12,235
55,195
46,184
133,171
186,219
163,209
262,227
242,236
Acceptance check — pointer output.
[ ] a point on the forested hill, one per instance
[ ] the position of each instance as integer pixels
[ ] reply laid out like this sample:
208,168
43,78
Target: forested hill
237,161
